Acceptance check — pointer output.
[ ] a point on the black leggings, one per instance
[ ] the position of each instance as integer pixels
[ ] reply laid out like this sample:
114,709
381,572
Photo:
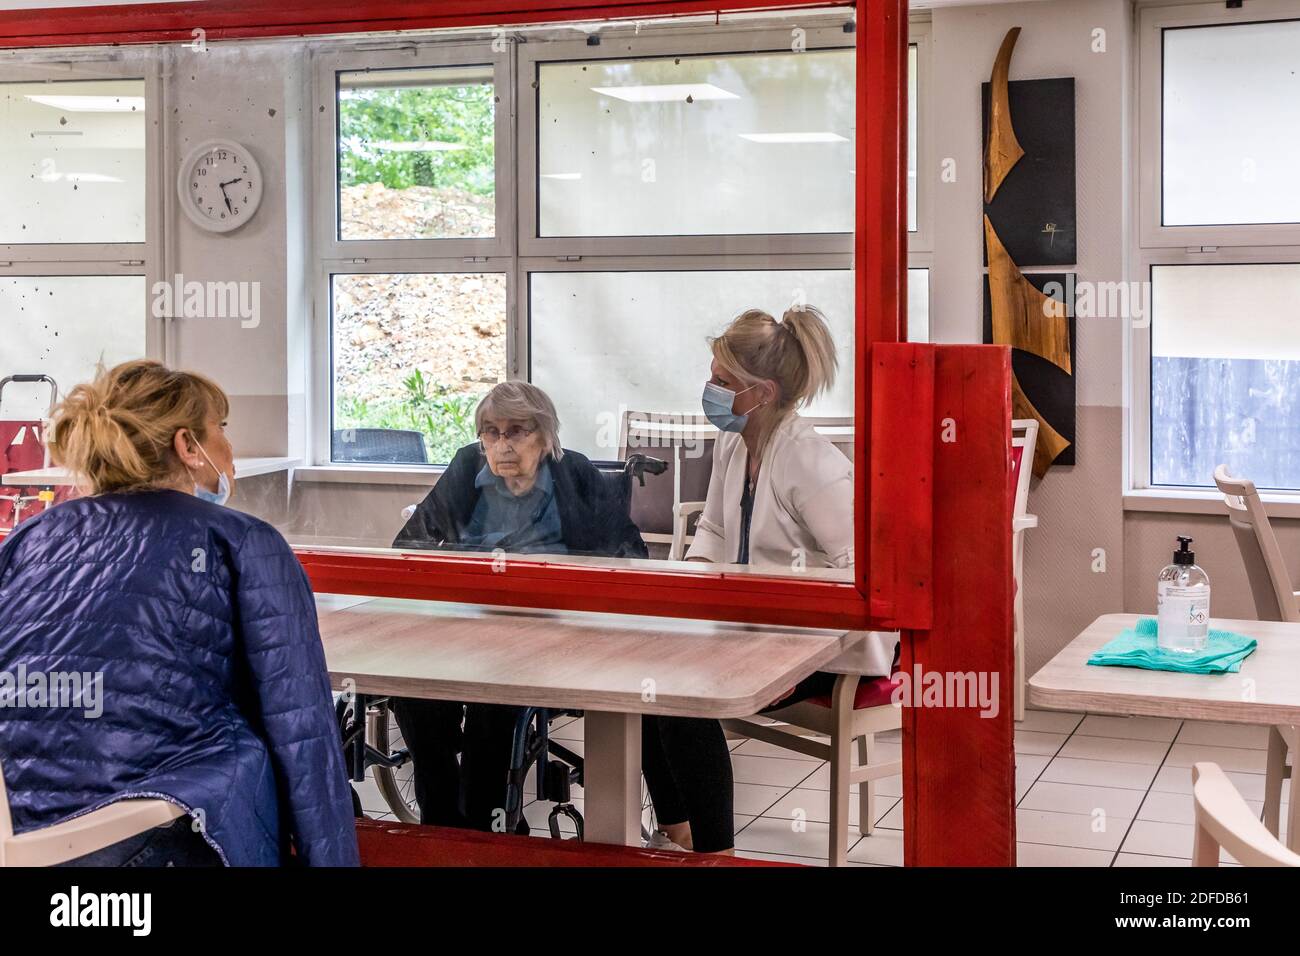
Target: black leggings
471,792
687,769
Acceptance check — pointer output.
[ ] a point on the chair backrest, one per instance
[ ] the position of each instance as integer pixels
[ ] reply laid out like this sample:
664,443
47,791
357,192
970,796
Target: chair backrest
387,445
682,439
1224,819
80,835
1024,439
1270,584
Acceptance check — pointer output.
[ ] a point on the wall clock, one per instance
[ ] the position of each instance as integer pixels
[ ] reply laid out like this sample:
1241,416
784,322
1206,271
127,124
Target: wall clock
220,185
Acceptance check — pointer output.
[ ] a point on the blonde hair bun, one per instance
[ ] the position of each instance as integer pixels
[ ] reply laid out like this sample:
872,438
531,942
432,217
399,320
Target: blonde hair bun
115,433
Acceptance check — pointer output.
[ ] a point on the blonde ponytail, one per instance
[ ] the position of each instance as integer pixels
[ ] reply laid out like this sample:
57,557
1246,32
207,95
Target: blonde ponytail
810,331
115,433
797,353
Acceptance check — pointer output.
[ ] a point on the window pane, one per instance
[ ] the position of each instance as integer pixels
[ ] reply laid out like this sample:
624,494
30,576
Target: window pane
49,330
697,145
413,354
1231,124
607,341
72,161
416,154
913,106
1225,374
918,305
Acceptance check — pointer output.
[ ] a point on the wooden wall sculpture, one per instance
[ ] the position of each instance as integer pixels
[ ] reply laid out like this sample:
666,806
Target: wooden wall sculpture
1029,220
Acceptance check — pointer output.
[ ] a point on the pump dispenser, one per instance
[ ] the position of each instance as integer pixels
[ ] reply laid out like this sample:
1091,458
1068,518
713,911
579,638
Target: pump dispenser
1183,603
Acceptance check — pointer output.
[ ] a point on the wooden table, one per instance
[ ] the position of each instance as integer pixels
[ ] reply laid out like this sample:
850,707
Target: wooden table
1265,691
612,667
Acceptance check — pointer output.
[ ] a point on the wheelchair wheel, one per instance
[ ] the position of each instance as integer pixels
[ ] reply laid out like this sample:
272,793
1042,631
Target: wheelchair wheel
396,784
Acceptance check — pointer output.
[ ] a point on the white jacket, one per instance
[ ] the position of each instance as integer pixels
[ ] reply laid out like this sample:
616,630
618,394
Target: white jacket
803,508
803,502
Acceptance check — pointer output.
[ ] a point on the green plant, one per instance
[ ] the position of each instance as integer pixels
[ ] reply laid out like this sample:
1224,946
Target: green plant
372,121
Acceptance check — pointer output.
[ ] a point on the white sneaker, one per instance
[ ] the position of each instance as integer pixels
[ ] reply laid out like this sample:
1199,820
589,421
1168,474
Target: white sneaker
659,841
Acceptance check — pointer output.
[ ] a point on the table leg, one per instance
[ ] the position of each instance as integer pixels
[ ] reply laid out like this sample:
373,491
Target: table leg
612,778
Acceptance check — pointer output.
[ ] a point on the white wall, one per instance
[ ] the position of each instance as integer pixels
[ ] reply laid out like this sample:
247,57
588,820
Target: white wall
1080,508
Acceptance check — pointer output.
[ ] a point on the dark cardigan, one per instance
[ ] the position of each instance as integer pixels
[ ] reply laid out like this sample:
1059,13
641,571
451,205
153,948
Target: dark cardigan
591,521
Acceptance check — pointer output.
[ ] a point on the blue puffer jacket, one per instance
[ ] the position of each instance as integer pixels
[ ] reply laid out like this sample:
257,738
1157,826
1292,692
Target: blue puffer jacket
214,693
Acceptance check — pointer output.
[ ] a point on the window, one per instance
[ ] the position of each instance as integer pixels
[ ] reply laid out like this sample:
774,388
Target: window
756,143
649,315
920,254
1215,373
416,154
666,182
75,150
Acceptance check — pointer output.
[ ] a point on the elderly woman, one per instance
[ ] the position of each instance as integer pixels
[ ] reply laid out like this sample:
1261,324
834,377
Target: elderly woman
515,489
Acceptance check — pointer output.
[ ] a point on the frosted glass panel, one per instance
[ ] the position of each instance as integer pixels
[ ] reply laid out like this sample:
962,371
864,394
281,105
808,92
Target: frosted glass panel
63,326
918,305
1232,124
753,143
72,161
1225,374
913,105
605,341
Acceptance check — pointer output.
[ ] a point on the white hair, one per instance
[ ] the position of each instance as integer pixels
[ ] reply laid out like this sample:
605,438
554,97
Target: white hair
522,402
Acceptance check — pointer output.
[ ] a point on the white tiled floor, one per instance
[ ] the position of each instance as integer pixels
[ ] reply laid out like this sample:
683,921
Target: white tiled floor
1091,791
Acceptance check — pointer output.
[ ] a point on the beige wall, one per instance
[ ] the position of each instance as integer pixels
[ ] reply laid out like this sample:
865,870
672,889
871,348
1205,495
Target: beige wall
1080,508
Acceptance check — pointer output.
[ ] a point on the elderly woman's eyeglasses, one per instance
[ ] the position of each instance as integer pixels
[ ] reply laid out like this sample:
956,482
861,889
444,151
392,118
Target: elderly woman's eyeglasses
513,434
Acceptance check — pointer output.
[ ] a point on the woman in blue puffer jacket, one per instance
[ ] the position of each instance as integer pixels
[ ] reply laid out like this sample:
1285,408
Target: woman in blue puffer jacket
187,628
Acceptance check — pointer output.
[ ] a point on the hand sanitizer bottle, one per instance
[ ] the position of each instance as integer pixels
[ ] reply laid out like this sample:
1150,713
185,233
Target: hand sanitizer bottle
1183,601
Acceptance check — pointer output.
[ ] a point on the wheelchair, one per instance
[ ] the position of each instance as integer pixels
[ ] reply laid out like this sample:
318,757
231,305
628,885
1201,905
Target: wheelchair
369,729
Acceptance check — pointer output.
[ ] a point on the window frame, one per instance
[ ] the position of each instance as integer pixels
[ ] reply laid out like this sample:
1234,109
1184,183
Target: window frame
1158,245
148,258
521,253
650,44
879,250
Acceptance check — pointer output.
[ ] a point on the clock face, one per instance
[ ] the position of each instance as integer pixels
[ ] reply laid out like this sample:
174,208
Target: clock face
220,186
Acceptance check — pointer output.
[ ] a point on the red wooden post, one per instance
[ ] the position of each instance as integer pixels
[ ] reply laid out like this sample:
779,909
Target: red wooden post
958,762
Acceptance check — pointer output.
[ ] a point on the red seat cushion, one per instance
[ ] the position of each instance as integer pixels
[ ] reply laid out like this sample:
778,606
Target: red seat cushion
872,692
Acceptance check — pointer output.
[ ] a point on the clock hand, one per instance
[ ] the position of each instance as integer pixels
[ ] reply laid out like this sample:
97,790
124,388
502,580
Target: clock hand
225,197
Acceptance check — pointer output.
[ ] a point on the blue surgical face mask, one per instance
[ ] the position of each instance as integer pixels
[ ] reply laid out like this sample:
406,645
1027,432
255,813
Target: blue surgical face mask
718,403
222,494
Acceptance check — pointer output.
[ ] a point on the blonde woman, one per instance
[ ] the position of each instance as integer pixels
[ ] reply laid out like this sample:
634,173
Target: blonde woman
780,496
193,630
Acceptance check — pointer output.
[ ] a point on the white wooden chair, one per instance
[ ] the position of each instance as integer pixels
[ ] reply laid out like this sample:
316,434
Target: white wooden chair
84,834
859,708
1224,820
1275,600
1024,437
685,441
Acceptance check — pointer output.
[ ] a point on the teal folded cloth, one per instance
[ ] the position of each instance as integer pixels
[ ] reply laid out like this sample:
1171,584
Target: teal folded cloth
1136,647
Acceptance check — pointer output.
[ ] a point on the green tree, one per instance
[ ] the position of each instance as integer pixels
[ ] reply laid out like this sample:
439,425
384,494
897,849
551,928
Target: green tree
463,115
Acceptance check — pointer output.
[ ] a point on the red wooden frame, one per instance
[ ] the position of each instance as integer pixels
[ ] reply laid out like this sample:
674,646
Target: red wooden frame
879,296
932,522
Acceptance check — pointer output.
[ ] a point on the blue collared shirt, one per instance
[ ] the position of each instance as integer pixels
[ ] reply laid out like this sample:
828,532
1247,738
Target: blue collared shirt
519,523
